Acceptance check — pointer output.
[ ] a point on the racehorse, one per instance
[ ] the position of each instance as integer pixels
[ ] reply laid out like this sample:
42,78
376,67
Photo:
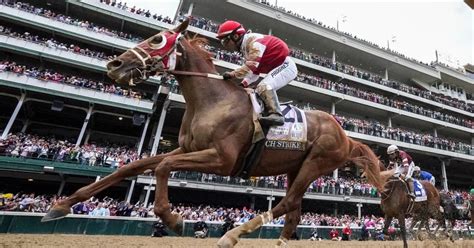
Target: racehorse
396,203
216,133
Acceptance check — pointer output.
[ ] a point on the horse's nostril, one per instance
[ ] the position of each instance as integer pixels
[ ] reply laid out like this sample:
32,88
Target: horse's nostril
114,64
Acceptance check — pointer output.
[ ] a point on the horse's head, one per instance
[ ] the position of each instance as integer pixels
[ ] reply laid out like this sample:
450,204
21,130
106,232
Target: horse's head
155,54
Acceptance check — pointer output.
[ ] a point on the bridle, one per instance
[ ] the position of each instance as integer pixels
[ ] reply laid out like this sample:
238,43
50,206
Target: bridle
153,63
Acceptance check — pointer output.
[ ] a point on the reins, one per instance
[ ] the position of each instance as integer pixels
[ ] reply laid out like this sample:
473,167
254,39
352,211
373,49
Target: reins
191,73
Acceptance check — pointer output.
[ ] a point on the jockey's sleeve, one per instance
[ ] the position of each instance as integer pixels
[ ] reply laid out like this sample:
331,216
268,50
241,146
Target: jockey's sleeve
253,56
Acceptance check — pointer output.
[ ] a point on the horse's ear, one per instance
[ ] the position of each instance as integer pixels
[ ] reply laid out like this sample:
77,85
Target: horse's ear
182,27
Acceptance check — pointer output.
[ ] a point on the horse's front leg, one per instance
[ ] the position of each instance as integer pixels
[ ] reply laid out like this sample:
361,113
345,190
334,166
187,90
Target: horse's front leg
206,161
62,208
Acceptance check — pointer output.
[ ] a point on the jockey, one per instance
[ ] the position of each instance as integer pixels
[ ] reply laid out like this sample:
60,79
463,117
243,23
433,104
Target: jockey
404,166
263,54
423,175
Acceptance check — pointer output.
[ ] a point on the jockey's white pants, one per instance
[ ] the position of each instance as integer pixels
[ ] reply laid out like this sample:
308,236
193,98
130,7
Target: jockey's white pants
280,76
409,170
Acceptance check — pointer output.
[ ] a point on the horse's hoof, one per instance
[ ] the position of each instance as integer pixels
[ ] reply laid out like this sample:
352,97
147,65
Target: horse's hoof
55,214
178,227
226,242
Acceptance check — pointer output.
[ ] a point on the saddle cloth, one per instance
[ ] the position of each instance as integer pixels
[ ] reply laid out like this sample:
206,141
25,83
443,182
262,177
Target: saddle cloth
291,136
420,192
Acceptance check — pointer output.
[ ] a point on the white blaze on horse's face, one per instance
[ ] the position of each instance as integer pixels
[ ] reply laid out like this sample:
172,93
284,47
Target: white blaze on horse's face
157,53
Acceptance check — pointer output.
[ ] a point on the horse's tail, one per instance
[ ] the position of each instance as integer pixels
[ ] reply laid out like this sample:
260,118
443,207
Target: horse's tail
363,157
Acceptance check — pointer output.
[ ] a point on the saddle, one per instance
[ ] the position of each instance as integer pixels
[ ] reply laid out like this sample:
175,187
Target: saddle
291,136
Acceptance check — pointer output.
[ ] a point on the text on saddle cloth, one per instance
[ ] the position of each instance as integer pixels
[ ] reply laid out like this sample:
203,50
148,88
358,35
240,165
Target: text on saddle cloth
420,192
292,135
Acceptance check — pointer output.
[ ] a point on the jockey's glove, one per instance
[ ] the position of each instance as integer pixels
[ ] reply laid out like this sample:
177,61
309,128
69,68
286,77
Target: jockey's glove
228,75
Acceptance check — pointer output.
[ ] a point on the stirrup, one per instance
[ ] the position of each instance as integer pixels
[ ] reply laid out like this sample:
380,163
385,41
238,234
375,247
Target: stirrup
412,195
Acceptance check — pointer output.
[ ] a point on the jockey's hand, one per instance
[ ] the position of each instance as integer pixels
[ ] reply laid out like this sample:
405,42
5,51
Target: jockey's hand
228,75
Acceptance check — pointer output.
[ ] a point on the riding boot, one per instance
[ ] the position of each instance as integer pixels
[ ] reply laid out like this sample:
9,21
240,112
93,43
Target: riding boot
411,188
272,108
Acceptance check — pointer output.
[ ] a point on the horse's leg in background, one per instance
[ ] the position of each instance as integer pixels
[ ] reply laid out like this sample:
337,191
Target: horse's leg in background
388,221
292,218
62,208
309,171
414,221
401,221
206,161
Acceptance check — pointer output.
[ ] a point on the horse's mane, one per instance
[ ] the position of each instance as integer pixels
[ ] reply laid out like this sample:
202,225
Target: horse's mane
198,43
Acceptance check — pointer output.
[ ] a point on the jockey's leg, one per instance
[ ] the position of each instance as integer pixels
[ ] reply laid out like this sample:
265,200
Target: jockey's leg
275,79
411,187
62,208
206,161
272,106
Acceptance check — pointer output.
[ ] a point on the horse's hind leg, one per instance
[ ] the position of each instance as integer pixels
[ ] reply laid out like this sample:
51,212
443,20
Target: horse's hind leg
401,221
62,208
310,170
291,219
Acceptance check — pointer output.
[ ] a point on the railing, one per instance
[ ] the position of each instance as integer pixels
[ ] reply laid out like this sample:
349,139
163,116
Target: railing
20,222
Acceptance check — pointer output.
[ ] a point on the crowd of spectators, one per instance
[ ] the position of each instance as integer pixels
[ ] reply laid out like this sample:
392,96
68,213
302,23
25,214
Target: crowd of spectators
70,20
52,43
323,185
378,129
31,202
138,11
63,150
381,99
236,58
356,72
76,81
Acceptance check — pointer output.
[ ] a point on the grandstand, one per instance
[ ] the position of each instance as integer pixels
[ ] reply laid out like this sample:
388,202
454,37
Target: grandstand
64,124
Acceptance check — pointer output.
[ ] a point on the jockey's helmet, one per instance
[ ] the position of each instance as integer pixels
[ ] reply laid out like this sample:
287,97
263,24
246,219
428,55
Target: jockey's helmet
472,191
392,149
417,168
228,28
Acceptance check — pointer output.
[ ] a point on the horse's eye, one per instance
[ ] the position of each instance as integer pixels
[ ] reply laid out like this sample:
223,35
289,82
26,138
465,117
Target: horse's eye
157,41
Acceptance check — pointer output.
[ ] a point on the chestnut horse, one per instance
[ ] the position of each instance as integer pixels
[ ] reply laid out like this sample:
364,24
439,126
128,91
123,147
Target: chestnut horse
216,133
396,203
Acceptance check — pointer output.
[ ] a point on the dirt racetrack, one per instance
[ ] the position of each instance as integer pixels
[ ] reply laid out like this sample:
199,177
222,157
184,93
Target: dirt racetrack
90,241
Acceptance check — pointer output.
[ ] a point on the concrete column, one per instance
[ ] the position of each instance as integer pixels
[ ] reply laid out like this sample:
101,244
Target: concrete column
334,57
435,132
335,209
61,186
159,130
25,125
13,117
148,191
142,139
359,210
444,178
389,121
270,201
270,31
97,178
333,108
386,74
88,135
335,174
130,191
84,126
252,202
190,10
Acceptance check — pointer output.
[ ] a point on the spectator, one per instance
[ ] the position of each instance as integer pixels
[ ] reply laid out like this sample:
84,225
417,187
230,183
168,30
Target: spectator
334,235
200,229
